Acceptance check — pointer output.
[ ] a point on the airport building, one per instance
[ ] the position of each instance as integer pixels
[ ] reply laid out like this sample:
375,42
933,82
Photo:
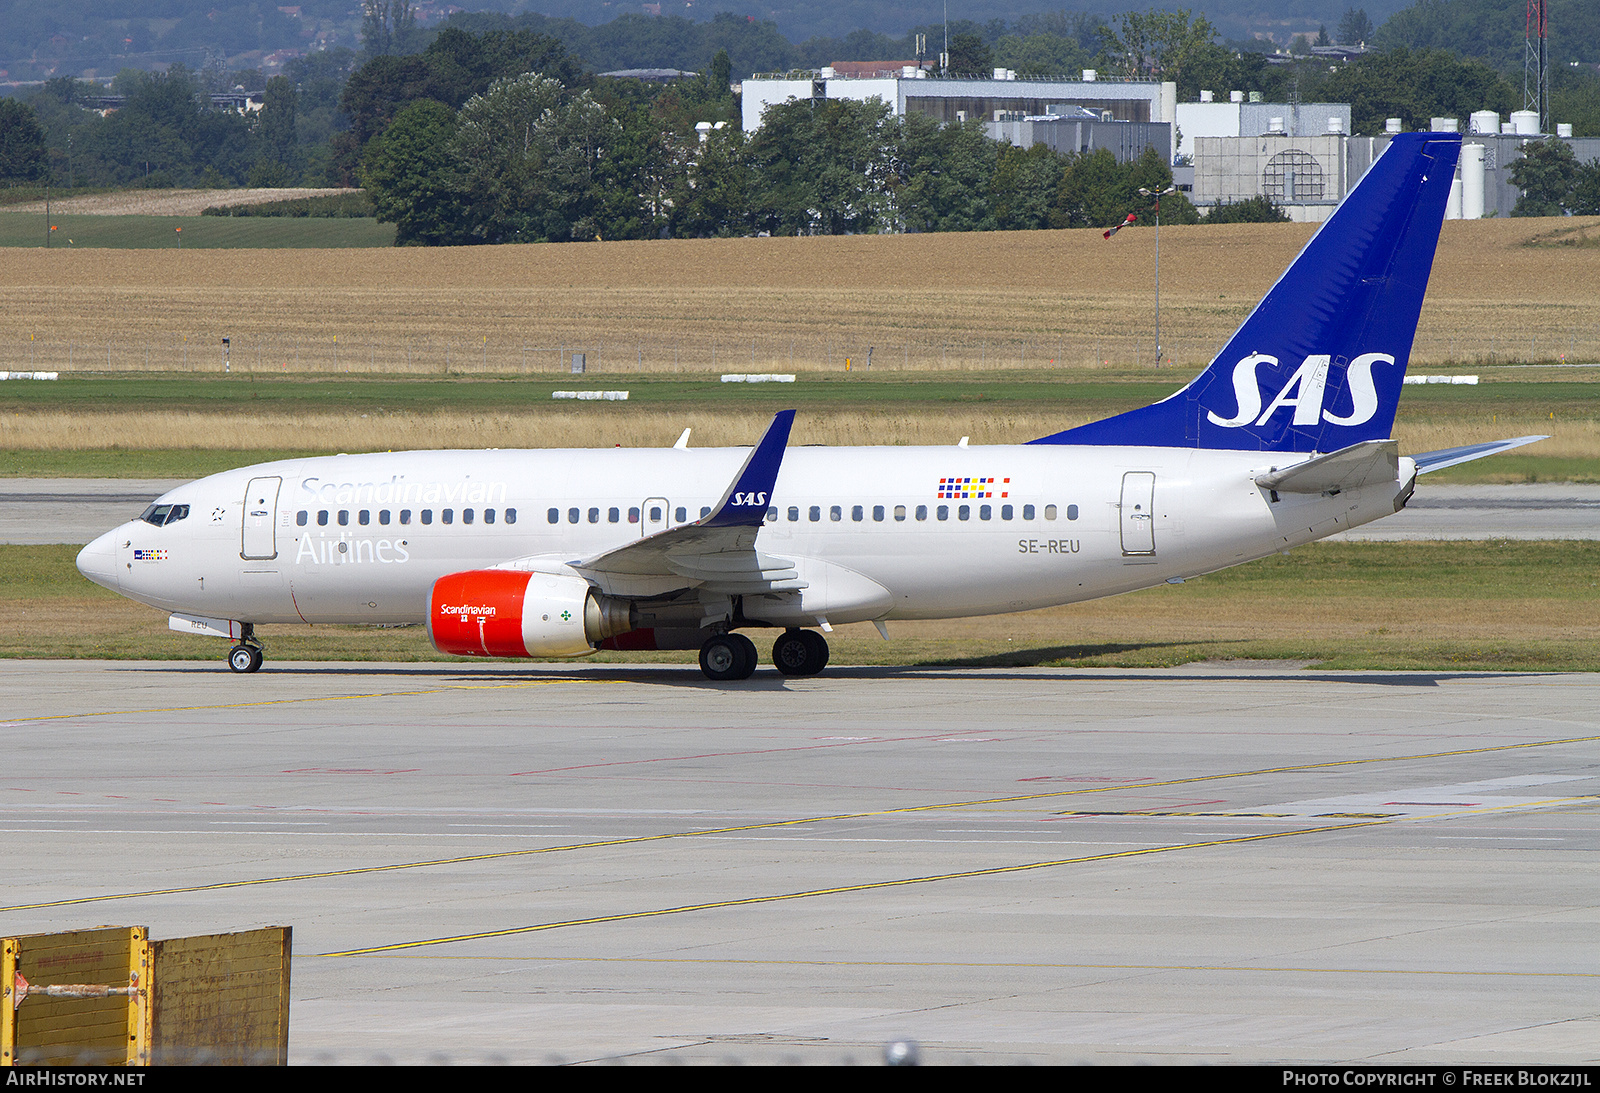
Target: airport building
914,90
1307,175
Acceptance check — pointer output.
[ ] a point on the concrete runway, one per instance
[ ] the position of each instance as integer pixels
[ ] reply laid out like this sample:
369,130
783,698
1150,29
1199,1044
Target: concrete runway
75,510
1210,864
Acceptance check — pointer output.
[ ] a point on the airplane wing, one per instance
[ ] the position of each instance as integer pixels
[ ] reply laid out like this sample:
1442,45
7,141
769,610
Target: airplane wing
716,552
1449,457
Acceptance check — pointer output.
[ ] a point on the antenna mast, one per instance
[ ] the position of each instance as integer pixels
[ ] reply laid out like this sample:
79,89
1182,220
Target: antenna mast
1536,63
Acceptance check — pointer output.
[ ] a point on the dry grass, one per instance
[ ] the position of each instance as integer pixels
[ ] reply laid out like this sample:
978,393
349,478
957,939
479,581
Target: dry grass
1479,605
921,301
633,427
168,202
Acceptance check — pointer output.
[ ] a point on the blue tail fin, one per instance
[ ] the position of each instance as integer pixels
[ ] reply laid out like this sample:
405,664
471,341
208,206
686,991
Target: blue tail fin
1318,364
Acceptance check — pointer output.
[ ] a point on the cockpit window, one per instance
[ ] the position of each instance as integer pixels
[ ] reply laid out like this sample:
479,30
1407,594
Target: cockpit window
161,515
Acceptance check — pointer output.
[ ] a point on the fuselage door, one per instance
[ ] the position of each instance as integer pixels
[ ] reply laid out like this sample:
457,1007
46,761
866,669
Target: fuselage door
260,534
1138,513
653,515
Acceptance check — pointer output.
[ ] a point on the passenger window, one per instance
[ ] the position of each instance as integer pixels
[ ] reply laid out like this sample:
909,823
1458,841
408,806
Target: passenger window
383,517
816,513
1027,512
466,516
1049,512
594,516
488,516
772,516
1005,512
614,515
405,516
877,512
427,516
1072,512
856,513
447,516
364,517
511,516
683,514
633,515
900,513
572,516
322,518
922,512
555,516
985,512
963,512
835,513
302,517
655,514
344,518
794,514
943,512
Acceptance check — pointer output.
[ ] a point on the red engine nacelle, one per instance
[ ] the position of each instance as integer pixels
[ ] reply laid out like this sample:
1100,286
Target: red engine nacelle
510,613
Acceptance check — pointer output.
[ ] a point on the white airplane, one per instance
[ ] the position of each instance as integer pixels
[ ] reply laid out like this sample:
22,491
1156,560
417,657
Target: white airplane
1283,440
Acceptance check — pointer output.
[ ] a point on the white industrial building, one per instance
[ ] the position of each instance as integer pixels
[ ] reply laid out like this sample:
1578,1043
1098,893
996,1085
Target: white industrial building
1307,176
1004,96
1248,116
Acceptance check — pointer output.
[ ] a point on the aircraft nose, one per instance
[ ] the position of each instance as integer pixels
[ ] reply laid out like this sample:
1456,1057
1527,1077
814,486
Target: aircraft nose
98,561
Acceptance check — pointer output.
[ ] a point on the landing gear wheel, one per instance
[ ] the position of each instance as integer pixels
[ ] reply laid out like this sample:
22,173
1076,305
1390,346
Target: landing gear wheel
728,657
245,658
800,653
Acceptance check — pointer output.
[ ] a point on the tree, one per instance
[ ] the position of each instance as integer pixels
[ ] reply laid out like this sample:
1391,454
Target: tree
1355,28
275,128
942,175
22,149
529,157
1095,191
1023,185
822,167
969,56
1586,190
1546,173
412,177
1158,44
711,194
1415,85
387,26
1252,210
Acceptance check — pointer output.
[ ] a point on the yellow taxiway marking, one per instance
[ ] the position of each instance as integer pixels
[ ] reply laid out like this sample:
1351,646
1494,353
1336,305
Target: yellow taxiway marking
313,698
632,840
802,962
868,886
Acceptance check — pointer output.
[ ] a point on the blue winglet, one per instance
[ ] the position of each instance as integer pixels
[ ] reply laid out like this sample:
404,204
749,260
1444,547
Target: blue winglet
745,503
1317,365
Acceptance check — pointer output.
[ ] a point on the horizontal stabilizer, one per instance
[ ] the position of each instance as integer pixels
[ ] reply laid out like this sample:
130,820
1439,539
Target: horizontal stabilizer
1449,457
1347,469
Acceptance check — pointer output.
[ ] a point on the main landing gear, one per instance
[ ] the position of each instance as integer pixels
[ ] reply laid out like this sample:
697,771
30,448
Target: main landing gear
247,655
731,656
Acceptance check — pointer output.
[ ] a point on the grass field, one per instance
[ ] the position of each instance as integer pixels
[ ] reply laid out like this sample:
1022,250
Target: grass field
1523,606
183,425
80,232
967,301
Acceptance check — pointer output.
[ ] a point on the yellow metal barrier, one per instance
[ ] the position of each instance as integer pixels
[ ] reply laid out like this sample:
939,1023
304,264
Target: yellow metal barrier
114,997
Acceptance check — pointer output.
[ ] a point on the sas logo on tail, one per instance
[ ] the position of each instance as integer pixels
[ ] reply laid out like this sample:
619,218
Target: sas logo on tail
1304,391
